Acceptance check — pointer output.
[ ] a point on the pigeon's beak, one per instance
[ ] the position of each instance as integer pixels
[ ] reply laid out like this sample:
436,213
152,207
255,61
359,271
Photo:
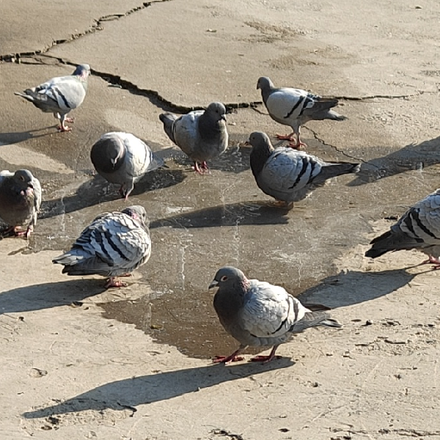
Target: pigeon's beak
214,283
223,117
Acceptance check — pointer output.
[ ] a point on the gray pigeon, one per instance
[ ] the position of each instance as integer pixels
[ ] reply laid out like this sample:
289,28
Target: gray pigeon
60,95
418,228
295,107
290,175
113,245
201,134
257,313
20,201
124,159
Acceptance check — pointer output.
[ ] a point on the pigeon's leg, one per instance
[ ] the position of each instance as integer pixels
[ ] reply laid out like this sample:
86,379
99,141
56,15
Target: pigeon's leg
434,261
202,168
285,137
266,359
114,282
231,358
283,204
63,126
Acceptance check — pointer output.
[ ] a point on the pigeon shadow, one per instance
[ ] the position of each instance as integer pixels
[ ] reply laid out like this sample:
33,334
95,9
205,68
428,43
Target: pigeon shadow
411,157
98,190
49,295
17,137
128,393
355,287
244,213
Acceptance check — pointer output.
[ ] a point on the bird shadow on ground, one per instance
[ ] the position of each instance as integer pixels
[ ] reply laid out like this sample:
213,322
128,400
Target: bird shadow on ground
354,287
98,190
411,157
49,295
17,137
246,213
128,393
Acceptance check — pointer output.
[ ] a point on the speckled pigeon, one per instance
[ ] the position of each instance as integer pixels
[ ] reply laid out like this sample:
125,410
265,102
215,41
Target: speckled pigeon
290,175
60,95
295,107
124,159
257,313
114,244
201,134
20,200
418,228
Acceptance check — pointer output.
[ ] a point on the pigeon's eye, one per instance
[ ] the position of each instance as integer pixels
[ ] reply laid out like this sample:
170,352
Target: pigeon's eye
22,178
223,278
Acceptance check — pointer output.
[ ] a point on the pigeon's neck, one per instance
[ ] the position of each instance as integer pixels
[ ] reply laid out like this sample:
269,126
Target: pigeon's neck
259,156
266,92
208,127
229,302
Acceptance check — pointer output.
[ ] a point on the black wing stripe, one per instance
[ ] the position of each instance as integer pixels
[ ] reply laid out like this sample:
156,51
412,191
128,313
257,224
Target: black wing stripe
305,164
416,217
300,100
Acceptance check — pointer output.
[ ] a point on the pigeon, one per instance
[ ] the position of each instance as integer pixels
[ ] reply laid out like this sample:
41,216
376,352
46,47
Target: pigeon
201,134
60,95
418,228
257,313
113,245
124,159
295,107
20,201
290,175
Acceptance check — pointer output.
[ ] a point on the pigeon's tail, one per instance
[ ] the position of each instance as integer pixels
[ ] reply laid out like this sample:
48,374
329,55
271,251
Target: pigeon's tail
156,162
168,120
314,319
330,170
392,240
322,110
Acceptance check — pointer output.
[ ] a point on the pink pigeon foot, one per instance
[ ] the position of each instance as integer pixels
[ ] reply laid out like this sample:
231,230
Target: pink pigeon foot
114,282
432,260
201,168
266,358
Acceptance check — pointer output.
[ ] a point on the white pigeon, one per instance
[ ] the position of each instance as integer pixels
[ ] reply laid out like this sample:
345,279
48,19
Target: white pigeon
124,159
60,95
290,175
114,244
257,313
418,228
20,201
294,107
201,134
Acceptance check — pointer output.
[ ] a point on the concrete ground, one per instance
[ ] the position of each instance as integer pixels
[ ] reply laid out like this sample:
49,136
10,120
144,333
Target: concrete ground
134,363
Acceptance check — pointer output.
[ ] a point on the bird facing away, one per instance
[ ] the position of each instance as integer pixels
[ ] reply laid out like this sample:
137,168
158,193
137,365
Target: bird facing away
200,134
114,244
257,313
20,201
290,175
124,159
418,228
295,107
60,95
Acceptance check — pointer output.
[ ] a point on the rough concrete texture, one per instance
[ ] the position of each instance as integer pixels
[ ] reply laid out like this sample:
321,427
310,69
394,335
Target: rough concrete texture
134,363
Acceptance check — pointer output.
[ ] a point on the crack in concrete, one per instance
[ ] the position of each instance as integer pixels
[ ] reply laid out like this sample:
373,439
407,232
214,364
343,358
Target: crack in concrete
16,57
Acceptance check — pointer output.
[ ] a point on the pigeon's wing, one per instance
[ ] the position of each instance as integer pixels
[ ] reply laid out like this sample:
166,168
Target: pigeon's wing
186,132
269,311
140,157
288,104
288,170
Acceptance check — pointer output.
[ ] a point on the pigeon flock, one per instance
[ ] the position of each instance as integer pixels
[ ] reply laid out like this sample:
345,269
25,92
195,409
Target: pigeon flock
255,313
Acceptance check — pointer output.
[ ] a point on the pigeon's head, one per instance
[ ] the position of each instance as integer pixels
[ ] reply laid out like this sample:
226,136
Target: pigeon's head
217,111
229,277
138,213
259,139
83,71
264,83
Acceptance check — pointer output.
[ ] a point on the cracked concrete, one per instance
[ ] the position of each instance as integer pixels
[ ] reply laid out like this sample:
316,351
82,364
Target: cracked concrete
144,372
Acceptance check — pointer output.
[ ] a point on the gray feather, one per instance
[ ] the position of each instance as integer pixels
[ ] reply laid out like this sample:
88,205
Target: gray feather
202,135
418,228
257,313
124,159
289,175
20,199
113,244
